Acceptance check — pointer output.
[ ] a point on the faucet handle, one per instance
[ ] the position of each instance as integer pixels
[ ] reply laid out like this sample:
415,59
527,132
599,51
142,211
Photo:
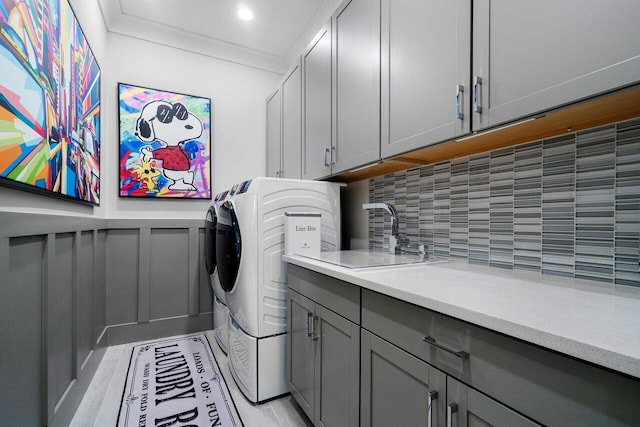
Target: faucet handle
420,249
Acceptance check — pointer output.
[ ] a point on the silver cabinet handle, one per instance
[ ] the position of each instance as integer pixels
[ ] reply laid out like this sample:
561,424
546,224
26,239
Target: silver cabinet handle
432,341
309,325
327,152
431,397
477,94
313,323
459,92
452,408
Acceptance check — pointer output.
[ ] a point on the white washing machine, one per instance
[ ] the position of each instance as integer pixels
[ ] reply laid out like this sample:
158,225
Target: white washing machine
249,249
220,310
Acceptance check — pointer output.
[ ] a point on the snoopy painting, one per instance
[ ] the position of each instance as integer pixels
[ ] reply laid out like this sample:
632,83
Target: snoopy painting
173,125
170,131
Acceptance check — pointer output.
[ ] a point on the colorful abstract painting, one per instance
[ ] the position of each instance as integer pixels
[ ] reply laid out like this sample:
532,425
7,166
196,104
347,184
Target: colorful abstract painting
165,144
49,102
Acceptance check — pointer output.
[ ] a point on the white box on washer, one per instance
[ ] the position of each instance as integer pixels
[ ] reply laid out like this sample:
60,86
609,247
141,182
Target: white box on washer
302,233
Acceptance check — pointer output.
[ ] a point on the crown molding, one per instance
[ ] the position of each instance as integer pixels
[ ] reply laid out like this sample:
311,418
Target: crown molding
118,22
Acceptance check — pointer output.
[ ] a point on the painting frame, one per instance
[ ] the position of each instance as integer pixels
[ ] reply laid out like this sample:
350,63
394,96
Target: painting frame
50,103
165,147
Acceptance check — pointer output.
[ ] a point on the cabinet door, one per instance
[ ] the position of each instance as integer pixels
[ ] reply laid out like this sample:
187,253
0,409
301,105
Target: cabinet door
469,408
356,84
291,124
533,56
300,352
316,99
397,388
273,135
426,60
337,370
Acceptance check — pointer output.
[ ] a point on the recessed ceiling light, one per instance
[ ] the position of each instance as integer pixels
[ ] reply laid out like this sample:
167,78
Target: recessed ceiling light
245,14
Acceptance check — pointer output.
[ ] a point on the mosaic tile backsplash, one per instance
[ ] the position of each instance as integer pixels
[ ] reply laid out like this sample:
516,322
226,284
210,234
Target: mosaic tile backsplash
567,206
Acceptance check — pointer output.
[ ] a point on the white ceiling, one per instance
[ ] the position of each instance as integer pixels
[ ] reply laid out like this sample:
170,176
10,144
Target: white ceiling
279,31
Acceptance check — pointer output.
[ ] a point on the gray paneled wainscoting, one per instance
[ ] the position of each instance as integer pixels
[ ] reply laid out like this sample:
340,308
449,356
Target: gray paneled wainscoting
568,205
157,282
71,286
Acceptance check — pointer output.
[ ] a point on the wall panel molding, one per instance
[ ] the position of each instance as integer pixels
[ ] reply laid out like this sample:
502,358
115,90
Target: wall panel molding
144,273
60,279
193,298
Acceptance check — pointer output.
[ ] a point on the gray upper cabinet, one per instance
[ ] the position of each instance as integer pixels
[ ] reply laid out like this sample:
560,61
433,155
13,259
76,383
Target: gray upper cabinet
284,127
291,98
356,84
533,56
387,77
426,55
273,134
316,106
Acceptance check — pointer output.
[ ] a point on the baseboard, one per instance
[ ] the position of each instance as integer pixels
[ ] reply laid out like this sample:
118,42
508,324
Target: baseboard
134,332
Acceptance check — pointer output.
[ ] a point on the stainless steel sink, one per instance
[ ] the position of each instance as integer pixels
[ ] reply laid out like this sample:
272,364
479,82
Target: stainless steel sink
363,258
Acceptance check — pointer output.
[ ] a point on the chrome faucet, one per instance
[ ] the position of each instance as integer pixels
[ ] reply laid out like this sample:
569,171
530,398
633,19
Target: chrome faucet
394,246
398,244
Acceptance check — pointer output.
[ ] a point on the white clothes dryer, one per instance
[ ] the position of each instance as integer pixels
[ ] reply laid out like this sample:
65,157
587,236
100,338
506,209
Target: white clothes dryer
220,310
249,249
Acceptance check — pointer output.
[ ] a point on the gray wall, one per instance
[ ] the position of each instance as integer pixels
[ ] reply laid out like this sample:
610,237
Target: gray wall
568,205
70,286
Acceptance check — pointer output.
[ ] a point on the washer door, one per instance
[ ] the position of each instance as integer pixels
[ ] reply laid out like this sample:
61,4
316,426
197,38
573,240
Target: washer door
210,224
228,245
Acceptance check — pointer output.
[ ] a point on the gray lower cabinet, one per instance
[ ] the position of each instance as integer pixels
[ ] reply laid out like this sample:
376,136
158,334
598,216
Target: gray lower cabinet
323,348
542,385
467,407
301,352
398,389
415,366
426,67
529,57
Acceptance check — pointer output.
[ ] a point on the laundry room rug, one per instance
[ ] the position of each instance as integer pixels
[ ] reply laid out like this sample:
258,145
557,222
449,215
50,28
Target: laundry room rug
176,381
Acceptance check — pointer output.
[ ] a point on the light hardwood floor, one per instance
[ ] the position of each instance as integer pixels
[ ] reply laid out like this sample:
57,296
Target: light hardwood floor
100,404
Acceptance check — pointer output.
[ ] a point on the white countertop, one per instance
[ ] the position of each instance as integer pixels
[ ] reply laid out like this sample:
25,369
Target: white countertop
594,322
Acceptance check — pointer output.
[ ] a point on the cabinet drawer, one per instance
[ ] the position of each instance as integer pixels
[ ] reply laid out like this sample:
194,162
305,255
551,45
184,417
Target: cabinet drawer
338,296
544,385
